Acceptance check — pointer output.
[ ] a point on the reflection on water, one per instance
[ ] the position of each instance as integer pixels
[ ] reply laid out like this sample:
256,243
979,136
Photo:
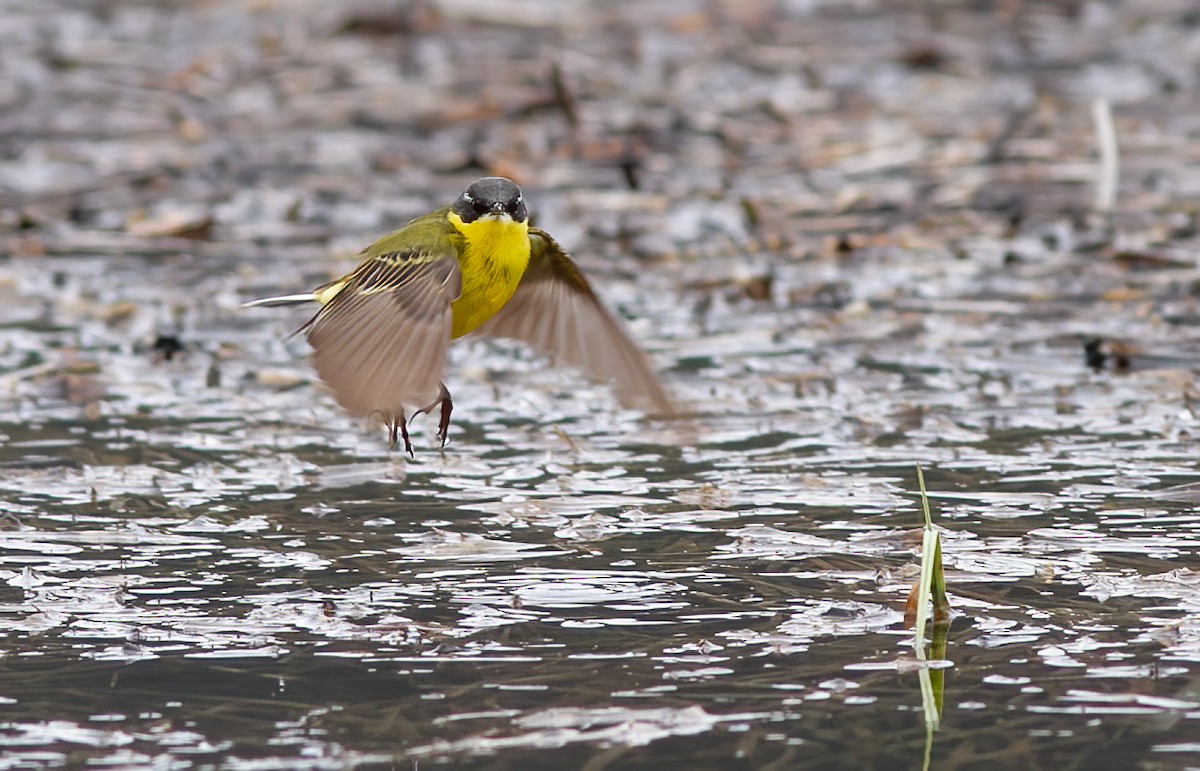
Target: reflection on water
521,596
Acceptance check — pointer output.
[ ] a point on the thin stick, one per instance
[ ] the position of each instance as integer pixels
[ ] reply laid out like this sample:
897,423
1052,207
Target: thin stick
1106,139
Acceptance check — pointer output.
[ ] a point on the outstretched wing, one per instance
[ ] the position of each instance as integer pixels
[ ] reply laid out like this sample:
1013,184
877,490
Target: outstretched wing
380,339
555,310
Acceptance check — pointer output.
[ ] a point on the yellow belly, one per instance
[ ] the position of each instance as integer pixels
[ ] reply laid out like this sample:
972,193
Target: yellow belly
492,264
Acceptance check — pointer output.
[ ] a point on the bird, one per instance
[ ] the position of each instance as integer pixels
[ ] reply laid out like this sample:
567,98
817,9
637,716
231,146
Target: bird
381,332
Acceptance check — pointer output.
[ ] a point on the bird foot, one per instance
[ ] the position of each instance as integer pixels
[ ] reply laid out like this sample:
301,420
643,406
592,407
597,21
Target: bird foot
397,426
447,407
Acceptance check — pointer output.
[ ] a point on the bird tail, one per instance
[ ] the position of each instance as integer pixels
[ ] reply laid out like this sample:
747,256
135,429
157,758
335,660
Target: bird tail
277,302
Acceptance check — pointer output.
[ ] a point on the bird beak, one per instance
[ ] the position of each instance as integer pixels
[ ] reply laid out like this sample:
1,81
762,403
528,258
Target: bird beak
497,208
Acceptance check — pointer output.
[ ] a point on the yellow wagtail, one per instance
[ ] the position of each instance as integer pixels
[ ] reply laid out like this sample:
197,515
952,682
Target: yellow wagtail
381,334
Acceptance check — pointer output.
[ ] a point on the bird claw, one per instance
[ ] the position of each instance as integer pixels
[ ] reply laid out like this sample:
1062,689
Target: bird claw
447,403
444,420
396,425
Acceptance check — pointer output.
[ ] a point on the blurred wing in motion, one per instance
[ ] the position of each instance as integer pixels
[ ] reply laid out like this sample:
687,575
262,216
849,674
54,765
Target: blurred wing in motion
555,311
380,339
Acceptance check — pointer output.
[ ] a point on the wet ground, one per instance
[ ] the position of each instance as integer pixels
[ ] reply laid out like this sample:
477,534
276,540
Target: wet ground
854,239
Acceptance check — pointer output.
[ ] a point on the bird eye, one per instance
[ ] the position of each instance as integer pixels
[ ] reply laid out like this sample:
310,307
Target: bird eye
480,207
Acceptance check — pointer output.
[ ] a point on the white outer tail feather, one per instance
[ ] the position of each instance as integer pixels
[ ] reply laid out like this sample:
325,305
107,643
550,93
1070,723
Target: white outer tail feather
287,299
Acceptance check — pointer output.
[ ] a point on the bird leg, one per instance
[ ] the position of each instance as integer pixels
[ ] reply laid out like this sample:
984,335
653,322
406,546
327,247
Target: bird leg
444,420
396,425
447,403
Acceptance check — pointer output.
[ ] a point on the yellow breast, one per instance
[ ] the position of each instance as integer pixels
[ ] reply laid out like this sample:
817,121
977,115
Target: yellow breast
492,264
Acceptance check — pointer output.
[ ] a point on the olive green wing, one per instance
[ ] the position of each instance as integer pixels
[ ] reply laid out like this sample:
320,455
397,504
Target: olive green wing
555,310
380,338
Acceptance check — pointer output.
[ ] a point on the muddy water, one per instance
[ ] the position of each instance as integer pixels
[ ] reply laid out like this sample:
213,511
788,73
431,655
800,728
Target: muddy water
205,563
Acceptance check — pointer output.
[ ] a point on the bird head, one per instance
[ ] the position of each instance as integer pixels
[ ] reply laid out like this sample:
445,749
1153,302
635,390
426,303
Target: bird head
494,197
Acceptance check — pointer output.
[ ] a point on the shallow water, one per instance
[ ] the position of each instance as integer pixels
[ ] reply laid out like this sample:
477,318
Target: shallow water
207,564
